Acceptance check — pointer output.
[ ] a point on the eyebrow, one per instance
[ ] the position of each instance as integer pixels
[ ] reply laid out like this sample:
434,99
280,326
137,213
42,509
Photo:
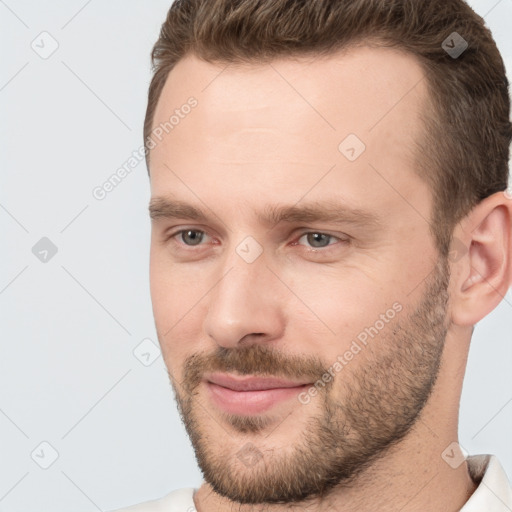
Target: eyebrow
317,211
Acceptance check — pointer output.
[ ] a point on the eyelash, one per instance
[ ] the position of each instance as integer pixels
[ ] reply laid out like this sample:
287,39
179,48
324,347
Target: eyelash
313,250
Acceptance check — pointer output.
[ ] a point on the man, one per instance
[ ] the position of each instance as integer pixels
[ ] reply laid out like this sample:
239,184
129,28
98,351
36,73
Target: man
330,220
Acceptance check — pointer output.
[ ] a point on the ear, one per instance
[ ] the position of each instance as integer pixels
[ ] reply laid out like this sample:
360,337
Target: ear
481,257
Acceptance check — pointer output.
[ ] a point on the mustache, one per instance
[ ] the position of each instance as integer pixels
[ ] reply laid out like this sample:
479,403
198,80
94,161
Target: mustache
255,359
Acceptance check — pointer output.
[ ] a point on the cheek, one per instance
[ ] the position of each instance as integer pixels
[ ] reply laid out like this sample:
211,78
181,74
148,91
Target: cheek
338,296
168,285
177,309
340,307
160,289
166,298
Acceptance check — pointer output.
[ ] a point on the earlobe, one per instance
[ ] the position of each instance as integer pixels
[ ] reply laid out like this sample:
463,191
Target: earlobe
484,275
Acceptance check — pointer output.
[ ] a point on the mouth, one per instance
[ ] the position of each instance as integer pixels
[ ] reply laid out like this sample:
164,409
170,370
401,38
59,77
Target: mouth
250,394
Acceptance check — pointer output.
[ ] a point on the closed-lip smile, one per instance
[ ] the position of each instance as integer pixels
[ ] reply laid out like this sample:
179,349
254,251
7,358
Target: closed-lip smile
250,394
252,383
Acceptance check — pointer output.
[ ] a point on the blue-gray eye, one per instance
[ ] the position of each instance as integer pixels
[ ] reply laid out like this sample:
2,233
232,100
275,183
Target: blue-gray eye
318,238
194,236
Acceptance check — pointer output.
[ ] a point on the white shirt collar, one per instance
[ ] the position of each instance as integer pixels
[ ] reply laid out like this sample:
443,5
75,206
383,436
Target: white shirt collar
494,493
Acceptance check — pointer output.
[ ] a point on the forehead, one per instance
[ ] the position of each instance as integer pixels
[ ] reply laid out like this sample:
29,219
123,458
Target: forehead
289,121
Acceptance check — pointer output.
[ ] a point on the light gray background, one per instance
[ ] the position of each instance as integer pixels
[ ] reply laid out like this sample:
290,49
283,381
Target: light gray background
69,326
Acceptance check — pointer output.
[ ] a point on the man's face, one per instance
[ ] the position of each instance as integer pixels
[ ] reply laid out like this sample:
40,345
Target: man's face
354,299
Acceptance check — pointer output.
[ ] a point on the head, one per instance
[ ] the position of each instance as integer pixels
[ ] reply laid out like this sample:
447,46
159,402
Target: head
328,207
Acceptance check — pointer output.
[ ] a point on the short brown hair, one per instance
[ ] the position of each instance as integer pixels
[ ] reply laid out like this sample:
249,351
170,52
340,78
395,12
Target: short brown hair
463,155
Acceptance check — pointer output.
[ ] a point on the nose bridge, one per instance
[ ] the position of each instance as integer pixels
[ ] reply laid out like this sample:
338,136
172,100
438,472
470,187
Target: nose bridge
243,300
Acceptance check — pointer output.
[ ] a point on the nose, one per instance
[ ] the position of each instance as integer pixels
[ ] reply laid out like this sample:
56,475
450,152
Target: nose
245,305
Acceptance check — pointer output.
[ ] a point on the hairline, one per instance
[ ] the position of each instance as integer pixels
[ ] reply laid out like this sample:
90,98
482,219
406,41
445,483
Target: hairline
361,40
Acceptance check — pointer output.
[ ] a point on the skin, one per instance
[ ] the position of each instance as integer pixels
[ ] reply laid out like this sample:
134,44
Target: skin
269,135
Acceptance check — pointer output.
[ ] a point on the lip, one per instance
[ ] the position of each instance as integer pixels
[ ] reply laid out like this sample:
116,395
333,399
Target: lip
250,383
249,394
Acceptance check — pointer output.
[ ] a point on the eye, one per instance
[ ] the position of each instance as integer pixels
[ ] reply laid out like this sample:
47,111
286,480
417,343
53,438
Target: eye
312,241
319,240
190,237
